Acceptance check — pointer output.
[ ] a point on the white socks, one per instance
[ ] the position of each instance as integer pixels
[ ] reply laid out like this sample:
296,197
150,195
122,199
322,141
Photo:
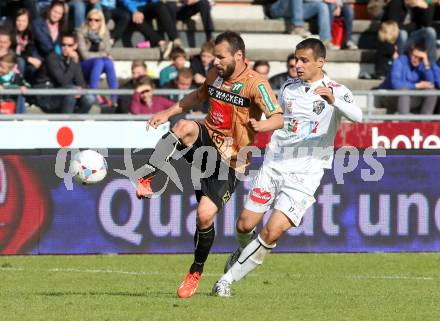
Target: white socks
252,256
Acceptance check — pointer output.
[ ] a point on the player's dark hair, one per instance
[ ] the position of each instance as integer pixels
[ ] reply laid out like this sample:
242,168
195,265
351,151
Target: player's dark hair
316,45
234,40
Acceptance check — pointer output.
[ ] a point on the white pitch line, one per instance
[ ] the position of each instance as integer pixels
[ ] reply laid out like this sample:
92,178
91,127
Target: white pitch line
354,277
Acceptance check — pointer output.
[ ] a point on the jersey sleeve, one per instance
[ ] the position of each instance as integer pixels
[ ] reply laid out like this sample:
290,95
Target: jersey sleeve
344,102
265,99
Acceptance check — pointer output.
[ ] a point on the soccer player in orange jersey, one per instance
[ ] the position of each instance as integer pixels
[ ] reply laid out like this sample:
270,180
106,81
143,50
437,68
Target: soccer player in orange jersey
238,96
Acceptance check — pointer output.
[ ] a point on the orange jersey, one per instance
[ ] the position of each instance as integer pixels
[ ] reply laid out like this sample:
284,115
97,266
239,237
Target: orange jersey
232,103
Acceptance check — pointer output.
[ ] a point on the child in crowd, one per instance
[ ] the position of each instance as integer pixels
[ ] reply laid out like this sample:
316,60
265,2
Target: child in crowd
10,78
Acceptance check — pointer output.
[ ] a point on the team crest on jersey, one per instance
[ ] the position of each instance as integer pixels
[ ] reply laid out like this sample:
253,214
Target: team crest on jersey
237,87
348,98
318,106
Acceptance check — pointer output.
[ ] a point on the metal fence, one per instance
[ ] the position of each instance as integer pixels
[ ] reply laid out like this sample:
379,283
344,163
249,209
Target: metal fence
370,114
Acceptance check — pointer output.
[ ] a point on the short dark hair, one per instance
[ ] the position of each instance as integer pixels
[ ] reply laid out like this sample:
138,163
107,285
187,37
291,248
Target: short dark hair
417,46
68,35
316,45
234,40
261,63
177,52
290,57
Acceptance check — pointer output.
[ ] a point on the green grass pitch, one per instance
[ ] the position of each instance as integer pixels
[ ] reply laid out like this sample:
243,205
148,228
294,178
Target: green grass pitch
311,287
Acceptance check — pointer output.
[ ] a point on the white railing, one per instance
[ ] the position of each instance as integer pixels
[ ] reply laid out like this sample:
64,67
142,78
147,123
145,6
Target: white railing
370,114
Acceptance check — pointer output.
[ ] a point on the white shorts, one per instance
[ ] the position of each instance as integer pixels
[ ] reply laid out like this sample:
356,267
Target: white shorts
291,193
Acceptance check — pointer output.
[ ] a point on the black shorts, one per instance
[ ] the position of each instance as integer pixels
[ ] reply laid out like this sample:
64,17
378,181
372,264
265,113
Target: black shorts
219,186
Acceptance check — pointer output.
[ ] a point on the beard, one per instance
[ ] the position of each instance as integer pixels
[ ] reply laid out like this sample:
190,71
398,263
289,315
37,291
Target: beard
228,71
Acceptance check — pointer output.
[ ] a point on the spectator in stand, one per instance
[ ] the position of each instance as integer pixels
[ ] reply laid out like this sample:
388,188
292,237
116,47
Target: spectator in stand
183,81
289,9
201,63
142,14
344,9
138,70
47,31
183,10
386,48
278,80
412,33
28,60
10,78
5,41
144,101
298,11
63,71
410,71
262,67
119,15
178,61
94,49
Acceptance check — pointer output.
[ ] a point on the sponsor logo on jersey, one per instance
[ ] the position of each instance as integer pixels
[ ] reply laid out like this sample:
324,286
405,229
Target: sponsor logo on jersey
266,98
260,196
318,106
237,87
348,98
228,97
226,197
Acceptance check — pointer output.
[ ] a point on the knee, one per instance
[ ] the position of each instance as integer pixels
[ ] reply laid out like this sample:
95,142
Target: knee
431,32
204,220
270,235
244,226
99,63
182,128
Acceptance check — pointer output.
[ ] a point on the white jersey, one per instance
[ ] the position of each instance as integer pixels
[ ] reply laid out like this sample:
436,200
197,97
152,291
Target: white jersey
305,143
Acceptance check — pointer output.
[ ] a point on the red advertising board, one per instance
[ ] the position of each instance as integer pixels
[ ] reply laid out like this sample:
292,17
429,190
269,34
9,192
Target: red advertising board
390,135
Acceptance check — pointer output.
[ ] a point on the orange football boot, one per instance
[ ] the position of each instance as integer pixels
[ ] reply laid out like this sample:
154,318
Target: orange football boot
144,188
189,285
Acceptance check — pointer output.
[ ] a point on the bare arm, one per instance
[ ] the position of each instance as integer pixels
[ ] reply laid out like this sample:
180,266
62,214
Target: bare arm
275,121
186,103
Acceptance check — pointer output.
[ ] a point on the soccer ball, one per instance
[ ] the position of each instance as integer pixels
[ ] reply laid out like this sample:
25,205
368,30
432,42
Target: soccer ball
88,167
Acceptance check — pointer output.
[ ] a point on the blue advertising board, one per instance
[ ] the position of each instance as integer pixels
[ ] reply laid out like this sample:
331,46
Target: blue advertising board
40,215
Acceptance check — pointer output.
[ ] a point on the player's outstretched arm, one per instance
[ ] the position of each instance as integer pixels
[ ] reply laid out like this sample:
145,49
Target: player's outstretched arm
347,106
186,103
276,121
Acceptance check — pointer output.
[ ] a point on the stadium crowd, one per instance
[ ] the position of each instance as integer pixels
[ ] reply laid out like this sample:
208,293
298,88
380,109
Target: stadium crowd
67,44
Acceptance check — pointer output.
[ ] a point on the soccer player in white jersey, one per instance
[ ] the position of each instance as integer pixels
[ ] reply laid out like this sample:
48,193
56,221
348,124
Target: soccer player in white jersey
294,164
